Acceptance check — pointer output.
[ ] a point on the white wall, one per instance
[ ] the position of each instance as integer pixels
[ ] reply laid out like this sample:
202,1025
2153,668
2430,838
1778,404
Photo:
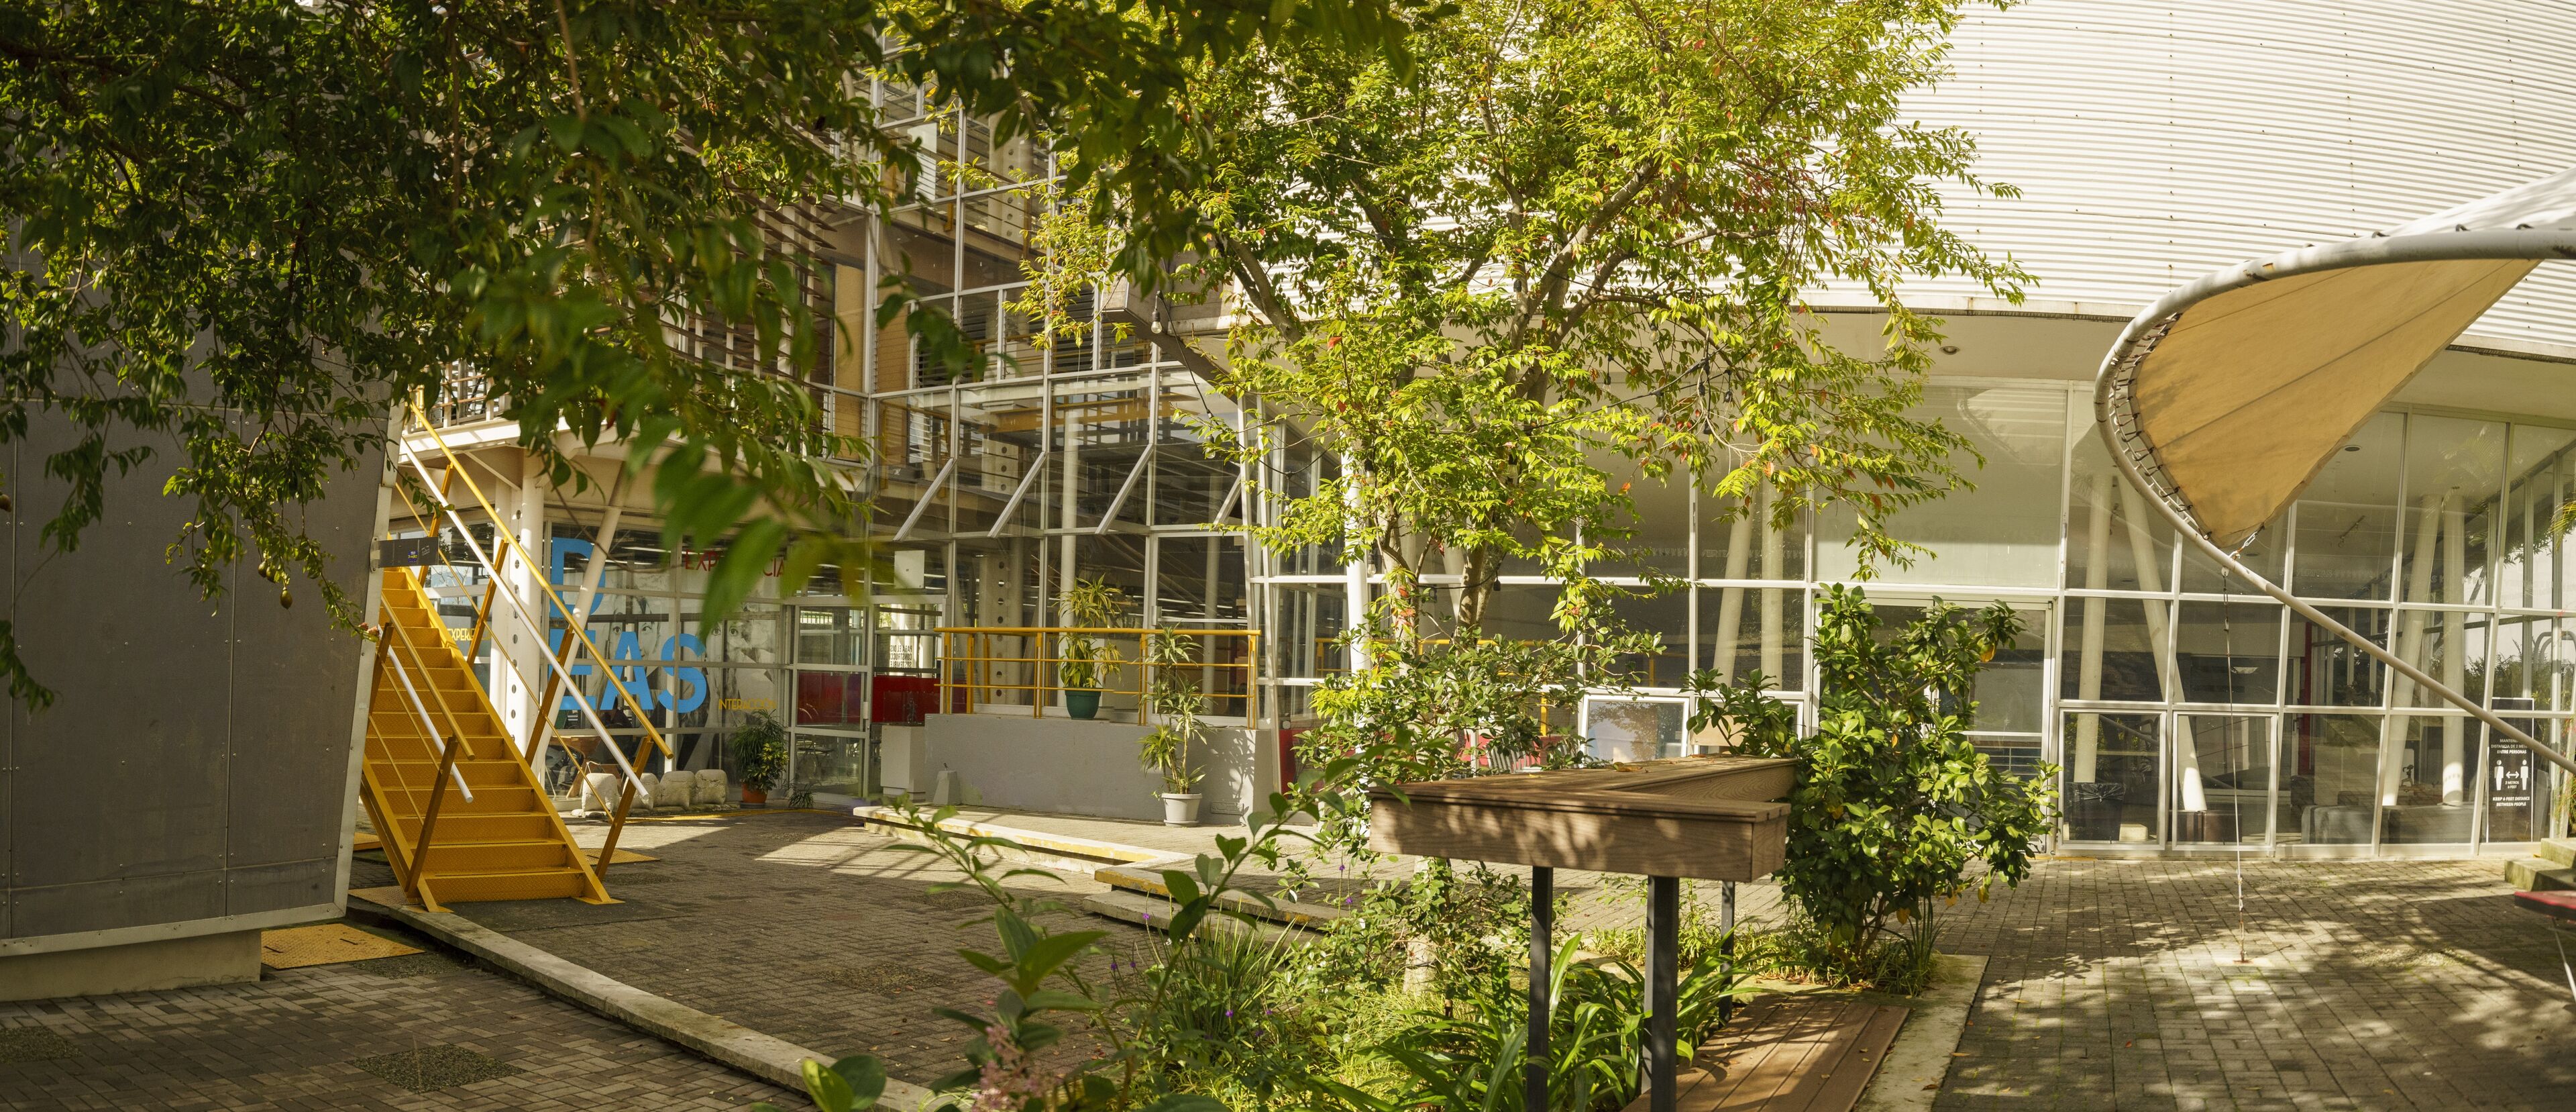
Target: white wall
2156,140
1064,766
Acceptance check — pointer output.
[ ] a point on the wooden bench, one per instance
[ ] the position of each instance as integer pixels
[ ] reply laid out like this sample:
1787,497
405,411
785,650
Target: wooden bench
1809,1052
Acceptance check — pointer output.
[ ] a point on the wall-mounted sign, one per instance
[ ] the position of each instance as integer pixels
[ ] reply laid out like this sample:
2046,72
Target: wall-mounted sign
408,552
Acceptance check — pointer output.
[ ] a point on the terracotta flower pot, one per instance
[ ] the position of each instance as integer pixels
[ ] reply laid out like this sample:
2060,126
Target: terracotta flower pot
754,797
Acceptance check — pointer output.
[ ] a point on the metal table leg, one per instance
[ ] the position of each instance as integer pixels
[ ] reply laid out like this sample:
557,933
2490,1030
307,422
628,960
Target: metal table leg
1663,946
1542,952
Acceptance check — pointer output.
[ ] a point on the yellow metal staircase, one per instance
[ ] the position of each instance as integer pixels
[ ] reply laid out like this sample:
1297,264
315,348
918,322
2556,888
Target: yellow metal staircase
462,815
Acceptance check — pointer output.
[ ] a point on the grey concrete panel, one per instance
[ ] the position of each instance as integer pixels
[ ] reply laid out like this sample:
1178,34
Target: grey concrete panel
294,684
188,734
125,773
281,885
124,902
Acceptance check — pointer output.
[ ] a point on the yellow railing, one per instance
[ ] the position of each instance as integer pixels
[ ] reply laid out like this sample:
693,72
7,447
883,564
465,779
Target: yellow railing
1012,666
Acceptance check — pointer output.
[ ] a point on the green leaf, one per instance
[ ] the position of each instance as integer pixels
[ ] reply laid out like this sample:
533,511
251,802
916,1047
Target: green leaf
831,1091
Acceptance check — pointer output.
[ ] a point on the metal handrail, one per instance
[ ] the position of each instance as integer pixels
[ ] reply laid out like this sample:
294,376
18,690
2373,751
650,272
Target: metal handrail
403,676
975,661
562,671
574,625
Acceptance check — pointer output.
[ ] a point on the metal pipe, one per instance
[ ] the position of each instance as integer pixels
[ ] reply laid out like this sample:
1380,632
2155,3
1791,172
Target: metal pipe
570,688
1663,950
403,675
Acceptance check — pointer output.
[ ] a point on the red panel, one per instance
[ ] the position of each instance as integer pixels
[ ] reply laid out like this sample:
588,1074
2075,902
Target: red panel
902,700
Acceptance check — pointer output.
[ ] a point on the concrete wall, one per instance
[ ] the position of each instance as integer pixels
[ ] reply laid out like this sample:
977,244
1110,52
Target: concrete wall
1071,767
194,774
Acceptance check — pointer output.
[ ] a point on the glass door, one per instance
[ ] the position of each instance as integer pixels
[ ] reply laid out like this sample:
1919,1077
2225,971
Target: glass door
2224,780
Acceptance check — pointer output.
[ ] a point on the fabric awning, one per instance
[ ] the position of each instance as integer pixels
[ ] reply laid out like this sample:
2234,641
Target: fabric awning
2229,394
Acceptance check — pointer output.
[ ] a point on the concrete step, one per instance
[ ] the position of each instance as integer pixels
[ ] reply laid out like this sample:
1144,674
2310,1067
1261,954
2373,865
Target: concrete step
1146,878
2537,874
1060,853
1154,914
2560,850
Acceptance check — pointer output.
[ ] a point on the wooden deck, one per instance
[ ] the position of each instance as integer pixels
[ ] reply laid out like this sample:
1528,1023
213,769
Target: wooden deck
1810,1052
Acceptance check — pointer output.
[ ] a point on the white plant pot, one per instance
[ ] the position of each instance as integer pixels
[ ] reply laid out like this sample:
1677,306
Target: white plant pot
1180,810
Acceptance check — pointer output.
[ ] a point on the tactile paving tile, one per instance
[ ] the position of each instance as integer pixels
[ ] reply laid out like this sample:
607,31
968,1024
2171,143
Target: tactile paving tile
324,944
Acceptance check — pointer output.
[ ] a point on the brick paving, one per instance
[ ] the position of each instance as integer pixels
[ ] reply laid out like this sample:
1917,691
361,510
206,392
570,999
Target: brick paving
2368,985
297,1039
801,925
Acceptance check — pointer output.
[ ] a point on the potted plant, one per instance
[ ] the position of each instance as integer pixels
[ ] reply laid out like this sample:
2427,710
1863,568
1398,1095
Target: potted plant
1174,701
1083,661
759,751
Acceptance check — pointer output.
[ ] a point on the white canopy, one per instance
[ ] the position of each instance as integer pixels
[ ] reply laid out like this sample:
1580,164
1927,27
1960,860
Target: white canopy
2227,395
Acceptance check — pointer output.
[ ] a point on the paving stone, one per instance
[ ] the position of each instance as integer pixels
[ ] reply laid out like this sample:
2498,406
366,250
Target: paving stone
303,1038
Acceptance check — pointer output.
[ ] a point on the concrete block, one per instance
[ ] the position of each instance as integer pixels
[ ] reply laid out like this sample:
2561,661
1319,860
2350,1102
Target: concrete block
230,958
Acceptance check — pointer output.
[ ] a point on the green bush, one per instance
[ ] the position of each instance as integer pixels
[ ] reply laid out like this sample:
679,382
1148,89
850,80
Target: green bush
1893,800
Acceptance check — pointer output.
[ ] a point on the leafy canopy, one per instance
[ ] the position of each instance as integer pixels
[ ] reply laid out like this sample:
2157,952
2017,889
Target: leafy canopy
1579,237
237,231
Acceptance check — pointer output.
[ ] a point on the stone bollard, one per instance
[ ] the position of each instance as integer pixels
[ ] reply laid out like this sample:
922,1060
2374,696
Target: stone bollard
645,795
711,790
674,791
599,792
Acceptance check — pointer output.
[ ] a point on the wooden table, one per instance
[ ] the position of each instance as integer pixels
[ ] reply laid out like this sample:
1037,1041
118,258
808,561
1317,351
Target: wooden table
1713,818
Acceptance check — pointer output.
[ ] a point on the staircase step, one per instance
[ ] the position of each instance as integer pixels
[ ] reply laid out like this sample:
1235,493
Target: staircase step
479,771
2560,850
448,857
492,800
2536,874
487,828
531,884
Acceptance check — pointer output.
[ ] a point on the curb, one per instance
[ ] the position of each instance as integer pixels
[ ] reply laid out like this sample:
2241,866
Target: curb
1913,1071
1098,851
728,1043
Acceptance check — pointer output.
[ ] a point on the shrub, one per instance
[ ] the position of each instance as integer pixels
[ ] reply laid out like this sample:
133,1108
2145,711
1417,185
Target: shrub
1892,800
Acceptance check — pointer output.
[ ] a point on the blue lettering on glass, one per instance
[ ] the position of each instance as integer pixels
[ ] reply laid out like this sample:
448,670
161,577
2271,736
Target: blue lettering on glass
629,647
695,678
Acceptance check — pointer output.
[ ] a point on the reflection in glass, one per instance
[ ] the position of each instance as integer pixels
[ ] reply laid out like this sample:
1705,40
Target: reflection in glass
2452,471
2532,661
1633,729
2424,783
2113,648
1743,630
2330,779
2111,784
1655,535
2228,652
1308,624
830,635
1667,617
1740,544
2348,517
2223,779
2326,670
2003,533
2115,540
2540,478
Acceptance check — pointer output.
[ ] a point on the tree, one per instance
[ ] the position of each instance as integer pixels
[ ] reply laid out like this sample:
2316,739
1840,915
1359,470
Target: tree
1581,231
244,228
1893,800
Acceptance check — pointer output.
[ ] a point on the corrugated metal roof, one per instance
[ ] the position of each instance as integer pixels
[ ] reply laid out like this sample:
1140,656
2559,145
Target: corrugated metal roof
2156,141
